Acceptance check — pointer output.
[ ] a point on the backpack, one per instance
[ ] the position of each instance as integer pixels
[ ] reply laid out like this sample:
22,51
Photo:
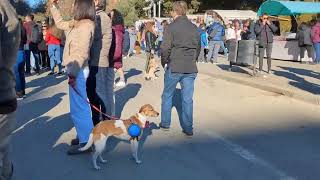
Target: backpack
36,35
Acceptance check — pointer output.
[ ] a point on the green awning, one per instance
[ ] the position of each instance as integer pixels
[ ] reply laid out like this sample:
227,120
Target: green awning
287,8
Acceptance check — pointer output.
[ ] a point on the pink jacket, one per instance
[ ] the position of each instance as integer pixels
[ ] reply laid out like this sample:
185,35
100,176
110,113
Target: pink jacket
315,31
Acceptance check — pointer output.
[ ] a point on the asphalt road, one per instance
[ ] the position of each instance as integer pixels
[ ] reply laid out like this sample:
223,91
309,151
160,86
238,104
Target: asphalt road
241,133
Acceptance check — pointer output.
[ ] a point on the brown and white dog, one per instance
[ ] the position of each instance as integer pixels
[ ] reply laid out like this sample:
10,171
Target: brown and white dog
118,129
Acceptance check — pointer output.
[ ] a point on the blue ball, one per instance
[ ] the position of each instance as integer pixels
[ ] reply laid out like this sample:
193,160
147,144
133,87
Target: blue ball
134,130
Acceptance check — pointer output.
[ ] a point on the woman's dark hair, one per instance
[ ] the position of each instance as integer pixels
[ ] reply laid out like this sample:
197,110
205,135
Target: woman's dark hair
313,22
117,18
165,24
302,25
84,9
102,5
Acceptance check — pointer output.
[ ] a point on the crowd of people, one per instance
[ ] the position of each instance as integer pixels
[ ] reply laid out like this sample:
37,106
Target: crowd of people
40,50
308,36
90,50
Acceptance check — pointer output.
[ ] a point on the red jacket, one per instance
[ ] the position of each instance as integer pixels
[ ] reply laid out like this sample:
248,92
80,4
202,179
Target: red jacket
115,54
50,39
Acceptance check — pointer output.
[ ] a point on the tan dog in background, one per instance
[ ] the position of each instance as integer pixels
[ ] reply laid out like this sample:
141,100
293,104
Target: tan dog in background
152,67
118,129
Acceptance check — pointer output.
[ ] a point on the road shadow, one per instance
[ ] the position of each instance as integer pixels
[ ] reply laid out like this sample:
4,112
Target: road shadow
235,68
302,72
177,104
28,113
42,147
299,82
43,83
131,73
147,132
204,156
123,95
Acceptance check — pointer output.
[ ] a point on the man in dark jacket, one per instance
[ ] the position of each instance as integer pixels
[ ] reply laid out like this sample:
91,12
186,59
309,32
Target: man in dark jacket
126,42
9,44
305,41
264,30
180,48
31,47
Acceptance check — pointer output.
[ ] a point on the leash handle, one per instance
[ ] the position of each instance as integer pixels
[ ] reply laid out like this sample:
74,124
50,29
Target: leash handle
93,106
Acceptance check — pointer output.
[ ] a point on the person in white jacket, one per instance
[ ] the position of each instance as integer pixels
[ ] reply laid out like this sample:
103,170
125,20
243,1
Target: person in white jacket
234,32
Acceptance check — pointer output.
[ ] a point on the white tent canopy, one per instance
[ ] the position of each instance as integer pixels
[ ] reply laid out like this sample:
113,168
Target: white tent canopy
229,15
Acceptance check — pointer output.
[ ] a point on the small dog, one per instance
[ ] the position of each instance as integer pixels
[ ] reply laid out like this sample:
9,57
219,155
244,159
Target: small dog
118,129
152,68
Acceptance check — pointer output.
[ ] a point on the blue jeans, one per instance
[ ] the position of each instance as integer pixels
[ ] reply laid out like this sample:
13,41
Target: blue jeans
317,48
19,72
159,49
105,89
54,52
143,47
36,59
225,50
214,47
79,108
187,89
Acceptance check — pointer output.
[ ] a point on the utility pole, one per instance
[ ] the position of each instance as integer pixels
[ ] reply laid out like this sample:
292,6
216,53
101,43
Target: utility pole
159,3
154,10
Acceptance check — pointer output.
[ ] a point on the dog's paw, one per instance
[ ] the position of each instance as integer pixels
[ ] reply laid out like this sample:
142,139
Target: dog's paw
138,162
97,168
103,161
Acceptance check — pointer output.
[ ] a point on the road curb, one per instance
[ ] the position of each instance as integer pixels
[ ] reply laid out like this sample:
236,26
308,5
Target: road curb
312,99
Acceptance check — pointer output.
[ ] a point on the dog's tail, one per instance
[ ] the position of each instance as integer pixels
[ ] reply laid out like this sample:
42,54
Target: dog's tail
89,143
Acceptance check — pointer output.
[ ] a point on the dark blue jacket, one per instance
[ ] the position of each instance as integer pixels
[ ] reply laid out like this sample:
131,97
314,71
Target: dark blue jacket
126,42
216,32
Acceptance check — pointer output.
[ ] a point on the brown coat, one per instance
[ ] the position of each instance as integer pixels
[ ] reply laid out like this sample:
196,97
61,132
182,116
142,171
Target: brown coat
9,44
79,38
102,40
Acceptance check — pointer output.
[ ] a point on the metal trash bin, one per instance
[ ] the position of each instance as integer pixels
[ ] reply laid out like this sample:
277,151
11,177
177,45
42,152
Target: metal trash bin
233,50
243,52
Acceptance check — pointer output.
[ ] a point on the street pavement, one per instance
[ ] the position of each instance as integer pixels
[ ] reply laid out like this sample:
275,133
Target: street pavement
241,133
292,79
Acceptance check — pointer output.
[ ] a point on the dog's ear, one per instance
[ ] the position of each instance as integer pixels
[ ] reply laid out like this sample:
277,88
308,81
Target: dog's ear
145,108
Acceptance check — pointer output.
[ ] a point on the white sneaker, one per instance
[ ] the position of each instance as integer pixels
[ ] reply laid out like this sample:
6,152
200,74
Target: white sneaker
121,84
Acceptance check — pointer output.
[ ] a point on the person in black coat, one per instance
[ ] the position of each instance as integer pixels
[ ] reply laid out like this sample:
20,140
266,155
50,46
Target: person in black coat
264,30
126,43
305,41
180,49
